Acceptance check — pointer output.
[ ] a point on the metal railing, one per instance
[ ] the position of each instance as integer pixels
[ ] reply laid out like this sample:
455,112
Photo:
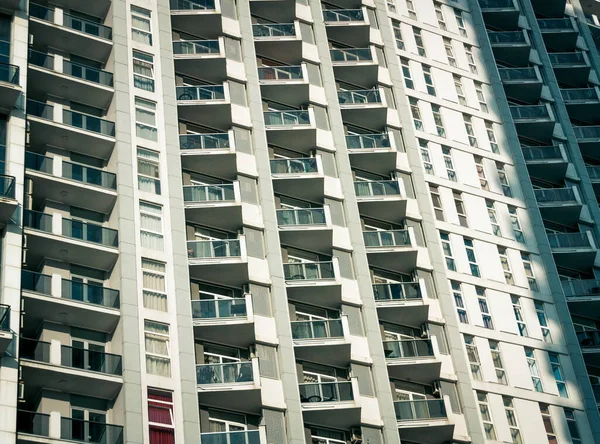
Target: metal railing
303,165
89,175
555,24
88,431
351,55
583,287
367,141
338,391
420,409
89,123
280,73
92,360
343,15
587,132
239,437
579,94
377,188
9,73
183,47
78,229
551,152
33,423
204,141
206,249
319,329
308,271
518,74
219,308
34,350
209,193
567,58
358,97
91,294
88,73
86,26
387,238
207,92
4,317
506,37
588,338
408,348
496,4
569,240
273,30
555,195
529,112
228,373
397,291
192,5
287,118
301,216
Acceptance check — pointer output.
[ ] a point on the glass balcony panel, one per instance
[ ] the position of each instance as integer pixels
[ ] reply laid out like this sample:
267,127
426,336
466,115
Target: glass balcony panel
569,240
542,152
36,282
196,47
338,391
89,123
280,73
37,220
192,5
581,287
7,186
273,30
89,232
9,73
37,162
343,15
4,317
377,188
506,37
41,12
567,58
34,350
496,4
529,112
589,338
39,109
359,97
308,271
209,193
593,172
214,248
420,409
88,431
408,348
389,238
88,175
579,94
301,216
319,329
351,55
219,308
41,59
555,24
555,195
587,132
92,294
397,291
33,423
87,73
287,118
86,26
93,360
239,437
304,165
204,141
229,373
517,74
209,92
367,141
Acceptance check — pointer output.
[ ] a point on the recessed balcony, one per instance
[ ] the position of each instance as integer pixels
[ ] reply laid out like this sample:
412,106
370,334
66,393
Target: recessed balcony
56,76
413,360
294,128
571,68
576,251
549,8
594,174
583,296
316,283
301,178
348,26
588,139
219,261
548,163
205,104
381,199
278,41
230,384
74,241
510,47
287,84
70,183
218,205
6,335
363,107
324,341
308,228
8,203
242,437
190,15
201,59
589,341
559,205
53,366
54,299
523,84
373,152
335,404
533,121
560,34
393,250
74,35
356,66
425,420
219,146
70,130
403,303
500,14
583,104
10,88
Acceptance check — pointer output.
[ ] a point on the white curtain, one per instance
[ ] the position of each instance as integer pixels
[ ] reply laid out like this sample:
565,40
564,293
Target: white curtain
155,301
158,366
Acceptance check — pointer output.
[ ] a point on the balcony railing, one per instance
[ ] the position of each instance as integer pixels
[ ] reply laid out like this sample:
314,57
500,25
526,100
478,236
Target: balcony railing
420,409
351,55
228,373
287,118
9,73
596,390
33,423
88,431
343,15
408,348
187,47
273,30
89,232
36,282
377,188
552,152
34,350
39,109
304,165
496,4
219,308
587,132
88,73
555,195
593,172
584,287
319,329
579,95
567,58
359,97
301,216
7,186
387,238
37,162
206,249
588,339
367,141
88,175
209,193
271,73
92,360
239,437
193,5
555,24
506,37
4,317
208,92
529,112
89,123
204,141
308,271
70,21
569,240
338,391
518,74
397,291
37,220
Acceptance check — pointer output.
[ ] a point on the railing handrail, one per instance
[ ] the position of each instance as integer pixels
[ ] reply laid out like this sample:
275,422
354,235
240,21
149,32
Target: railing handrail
338,382
581,287
70,347
224,364
211,46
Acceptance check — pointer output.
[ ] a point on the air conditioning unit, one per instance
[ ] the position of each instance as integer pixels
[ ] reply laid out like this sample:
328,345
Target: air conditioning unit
356,436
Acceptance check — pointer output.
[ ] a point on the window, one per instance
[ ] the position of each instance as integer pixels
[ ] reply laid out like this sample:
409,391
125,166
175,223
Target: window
437,202
486,416
528,266
141,30
408,82
508,276
398,34
449,164
156,337
428,80
470,131
419,42
160,417
489,126
148,170
153,285
439,13
481,173
561,385
437,118
143,71
460,304
548,426
486,316
412,13
518,311
460,209
470,249
511,417
416,114
391,5
473,356
493,218
481,97
503,180
145,119
425,157
450,52
460,22
533,369
572,424
447,249
151,226
514,219
459,91
470,58
497,360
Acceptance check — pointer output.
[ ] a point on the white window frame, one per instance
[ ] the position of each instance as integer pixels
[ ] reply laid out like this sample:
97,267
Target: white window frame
143,15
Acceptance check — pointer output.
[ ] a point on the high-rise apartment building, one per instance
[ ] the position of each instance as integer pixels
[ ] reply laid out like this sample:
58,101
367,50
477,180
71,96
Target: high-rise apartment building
299,221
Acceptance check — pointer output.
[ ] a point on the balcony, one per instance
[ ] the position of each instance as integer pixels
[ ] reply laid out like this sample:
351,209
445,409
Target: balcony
308,228
314,282
201,59
287,84
381,199
589,341
548,163
228,317
241,437
6,334
571,68
301,178
510,47
31,426
55,299
363,107
594,174
219,261
68,33
356,66
209,105
294,128
549,8
533,121
278,41
583,296
559,205
9,6
74,241
425,420
413,360
219,146
348,26
73,184
230,384
373,152
52,366
500,14
56,76
10,89
190,15
560,34
69,130
576,251
8,203
322,341
403,303
588,139
583,104
336,404
522,84
393,250
218,205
